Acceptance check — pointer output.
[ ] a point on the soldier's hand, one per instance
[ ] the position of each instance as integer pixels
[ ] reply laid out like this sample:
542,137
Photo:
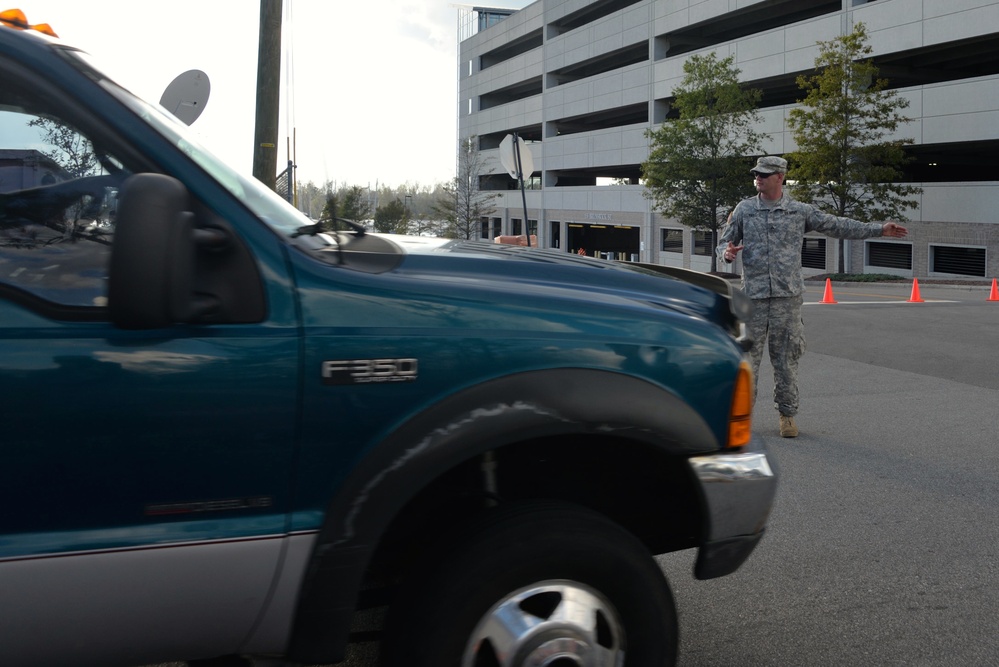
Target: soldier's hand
731,251
894,230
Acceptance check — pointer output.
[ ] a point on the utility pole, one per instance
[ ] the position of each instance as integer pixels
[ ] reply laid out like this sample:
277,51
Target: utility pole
268,93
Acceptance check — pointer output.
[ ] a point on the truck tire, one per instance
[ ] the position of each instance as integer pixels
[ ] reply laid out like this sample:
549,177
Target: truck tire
528,584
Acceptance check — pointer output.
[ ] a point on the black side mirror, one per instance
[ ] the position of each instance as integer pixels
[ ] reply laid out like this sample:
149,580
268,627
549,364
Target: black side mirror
153,255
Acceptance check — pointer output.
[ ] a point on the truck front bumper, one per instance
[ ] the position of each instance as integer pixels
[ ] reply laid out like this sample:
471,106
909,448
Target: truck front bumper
738,489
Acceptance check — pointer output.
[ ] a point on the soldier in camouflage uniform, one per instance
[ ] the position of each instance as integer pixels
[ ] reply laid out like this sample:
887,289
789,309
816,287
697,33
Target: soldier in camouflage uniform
769,229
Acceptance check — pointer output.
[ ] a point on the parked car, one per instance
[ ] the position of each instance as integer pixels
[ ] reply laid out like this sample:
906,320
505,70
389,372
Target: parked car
228,430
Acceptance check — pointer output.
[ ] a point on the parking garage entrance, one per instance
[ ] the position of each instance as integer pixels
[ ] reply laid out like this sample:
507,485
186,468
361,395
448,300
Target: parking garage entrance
621,242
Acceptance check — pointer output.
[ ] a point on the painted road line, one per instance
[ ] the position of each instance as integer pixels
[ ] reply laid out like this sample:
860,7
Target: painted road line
868,303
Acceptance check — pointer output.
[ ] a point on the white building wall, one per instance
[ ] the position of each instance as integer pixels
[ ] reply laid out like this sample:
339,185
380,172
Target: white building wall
942,113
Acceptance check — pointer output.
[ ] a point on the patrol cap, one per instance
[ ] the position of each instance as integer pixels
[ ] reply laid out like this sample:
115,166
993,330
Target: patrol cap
769,164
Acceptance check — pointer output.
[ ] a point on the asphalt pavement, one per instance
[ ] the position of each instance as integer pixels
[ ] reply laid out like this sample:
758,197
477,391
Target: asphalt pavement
883,545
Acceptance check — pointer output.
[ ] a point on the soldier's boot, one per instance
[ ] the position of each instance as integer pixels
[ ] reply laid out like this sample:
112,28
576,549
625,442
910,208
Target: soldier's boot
788,429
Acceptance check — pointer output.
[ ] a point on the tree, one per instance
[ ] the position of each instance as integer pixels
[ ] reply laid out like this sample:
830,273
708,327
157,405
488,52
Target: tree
312,198
344,204
354,204
91,216
843,164
461,203
698,167
71,150
330,212
391,218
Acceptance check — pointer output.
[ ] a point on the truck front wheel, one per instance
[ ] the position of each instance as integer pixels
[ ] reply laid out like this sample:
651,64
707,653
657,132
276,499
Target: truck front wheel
535,584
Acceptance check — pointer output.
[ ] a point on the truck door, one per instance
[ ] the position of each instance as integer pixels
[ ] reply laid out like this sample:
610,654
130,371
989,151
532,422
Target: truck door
144,476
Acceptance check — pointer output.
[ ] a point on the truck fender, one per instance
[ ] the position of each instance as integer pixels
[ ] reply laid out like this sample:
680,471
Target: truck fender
484,417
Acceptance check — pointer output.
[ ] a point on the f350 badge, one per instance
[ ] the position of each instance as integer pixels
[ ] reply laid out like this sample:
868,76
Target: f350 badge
368,371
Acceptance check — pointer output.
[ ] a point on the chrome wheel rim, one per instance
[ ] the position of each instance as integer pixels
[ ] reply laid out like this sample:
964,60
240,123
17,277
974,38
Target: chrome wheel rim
549,624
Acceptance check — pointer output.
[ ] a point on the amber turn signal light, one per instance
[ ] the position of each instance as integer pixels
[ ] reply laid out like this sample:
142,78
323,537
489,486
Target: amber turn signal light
740,419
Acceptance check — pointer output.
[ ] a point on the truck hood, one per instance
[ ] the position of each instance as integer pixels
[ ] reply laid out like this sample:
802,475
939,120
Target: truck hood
530,270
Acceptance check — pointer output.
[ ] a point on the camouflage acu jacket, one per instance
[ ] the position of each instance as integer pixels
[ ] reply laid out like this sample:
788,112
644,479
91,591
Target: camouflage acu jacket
771,258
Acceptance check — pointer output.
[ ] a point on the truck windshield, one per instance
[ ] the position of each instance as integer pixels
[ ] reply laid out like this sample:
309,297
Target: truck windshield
263,201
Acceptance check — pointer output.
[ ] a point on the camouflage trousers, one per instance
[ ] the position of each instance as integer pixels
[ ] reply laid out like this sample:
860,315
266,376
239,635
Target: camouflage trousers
777,321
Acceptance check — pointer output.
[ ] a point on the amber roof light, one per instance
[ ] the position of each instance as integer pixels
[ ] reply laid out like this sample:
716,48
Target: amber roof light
15,18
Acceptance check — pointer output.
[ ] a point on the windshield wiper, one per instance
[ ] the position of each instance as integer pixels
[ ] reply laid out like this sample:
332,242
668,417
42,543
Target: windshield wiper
308,230
321,227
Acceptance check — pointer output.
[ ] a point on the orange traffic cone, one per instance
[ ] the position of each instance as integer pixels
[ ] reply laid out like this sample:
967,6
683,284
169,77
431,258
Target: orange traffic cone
915,298
994,294
828,296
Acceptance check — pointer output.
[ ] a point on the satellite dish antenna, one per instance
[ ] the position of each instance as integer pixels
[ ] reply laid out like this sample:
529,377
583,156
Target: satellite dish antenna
187,95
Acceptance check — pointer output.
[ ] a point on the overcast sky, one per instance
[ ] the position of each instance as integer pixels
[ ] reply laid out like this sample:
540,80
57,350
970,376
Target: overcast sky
370,86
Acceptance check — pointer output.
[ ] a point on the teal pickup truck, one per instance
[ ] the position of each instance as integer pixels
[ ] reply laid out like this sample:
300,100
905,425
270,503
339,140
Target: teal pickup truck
229,434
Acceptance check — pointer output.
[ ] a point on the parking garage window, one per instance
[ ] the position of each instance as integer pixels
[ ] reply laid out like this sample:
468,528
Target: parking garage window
957,260
672,240
517,227
889,255
702,243
813,253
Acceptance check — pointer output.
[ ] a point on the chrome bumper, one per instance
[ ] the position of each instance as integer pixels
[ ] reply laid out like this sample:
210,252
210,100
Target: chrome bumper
738,491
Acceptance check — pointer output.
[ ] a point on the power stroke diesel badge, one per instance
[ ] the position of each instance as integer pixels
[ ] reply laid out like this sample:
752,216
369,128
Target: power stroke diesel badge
368,371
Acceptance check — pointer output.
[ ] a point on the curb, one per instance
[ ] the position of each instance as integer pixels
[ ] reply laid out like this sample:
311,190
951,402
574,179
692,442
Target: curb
908,285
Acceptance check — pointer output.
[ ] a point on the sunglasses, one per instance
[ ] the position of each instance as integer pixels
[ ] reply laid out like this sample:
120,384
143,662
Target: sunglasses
760,174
